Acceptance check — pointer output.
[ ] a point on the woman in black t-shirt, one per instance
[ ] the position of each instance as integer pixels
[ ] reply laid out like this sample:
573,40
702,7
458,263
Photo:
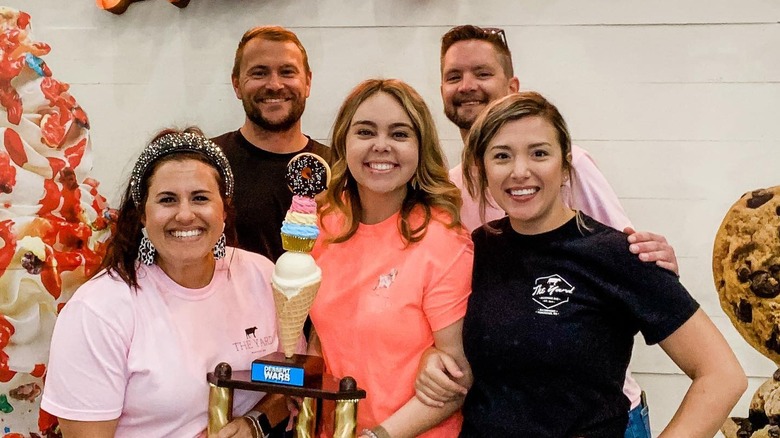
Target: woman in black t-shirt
557,299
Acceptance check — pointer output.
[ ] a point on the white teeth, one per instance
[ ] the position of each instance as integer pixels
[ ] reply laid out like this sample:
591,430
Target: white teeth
380,166
273,100
190,233
523,192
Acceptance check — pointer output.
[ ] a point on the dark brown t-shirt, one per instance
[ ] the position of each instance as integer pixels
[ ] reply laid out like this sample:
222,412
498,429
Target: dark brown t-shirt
261,196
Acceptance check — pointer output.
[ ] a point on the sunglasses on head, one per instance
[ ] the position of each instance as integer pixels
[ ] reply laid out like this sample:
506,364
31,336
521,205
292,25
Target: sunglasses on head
490,33
496,31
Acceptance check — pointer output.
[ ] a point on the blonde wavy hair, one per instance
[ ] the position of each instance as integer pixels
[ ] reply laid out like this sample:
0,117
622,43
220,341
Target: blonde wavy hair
429,187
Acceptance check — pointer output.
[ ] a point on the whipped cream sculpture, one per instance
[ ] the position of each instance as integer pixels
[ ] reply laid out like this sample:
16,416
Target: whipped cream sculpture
53,222
296,276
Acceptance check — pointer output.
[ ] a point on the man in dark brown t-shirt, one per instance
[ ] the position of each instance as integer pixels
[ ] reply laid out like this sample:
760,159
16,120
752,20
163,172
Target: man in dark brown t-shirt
271,77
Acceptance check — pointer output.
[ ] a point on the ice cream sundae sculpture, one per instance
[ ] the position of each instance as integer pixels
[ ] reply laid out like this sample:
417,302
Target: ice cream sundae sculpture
53,221
296,276
746,268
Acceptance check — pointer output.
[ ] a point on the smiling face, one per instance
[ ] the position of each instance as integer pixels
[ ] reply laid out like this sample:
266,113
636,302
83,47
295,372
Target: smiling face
525,170
472,77
272,84
381,150
184,214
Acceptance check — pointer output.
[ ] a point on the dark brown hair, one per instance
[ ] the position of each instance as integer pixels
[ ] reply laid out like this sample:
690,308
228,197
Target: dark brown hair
122,252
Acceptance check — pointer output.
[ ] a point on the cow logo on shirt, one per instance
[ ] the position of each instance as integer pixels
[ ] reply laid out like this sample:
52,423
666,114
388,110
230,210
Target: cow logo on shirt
386,280
252,343
550,292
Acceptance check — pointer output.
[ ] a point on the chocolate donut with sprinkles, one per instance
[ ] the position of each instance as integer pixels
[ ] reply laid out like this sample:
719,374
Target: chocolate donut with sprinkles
307,175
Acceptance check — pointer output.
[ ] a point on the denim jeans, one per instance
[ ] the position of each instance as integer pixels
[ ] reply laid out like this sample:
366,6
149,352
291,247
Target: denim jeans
639,421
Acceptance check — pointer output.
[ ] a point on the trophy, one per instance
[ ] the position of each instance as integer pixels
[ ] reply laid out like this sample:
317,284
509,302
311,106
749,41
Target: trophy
295,282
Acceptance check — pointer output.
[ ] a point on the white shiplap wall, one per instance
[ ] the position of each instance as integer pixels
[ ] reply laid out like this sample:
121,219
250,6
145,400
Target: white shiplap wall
677,101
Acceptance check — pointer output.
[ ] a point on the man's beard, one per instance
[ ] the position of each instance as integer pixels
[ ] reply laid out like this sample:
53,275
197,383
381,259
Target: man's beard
460,122
451,111
255,115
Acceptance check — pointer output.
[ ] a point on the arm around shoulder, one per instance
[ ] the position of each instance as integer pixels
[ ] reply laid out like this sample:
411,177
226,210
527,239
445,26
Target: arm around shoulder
718,380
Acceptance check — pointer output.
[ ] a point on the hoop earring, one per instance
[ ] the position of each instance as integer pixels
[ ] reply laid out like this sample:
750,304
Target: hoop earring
219,248
146,250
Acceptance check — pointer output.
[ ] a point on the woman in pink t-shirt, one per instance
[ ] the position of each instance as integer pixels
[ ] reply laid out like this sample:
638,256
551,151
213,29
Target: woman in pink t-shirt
131,349
396,262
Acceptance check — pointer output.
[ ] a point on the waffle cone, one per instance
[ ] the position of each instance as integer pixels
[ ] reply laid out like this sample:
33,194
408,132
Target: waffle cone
291,314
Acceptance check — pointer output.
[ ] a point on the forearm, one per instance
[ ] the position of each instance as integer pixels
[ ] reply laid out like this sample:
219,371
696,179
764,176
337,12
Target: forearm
705,406
414,418
718,380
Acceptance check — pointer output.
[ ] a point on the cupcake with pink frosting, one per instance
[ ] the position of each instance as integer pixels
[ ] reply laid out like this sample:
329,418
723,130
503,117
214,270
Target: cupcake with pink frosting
307,175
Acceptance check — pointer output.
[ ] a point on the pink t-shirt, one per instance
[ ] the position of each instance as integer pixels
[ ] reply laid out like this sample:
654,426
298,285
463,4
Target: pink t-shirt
142,356
592,194
380,303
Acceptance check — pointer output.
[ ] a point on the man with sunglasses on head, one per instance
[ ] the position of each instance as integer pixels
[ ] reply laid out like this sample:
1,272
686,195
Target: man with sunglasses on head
476,69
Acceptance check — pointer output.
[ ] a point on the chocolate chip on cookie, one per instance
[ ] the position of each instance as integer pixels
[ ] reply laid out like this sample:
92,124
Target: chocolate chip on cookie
744,311
759,198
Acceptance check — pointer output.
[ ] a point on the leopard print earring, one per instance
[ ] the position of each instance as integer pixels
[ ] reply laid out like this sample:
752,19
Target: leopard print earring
146,251
219,248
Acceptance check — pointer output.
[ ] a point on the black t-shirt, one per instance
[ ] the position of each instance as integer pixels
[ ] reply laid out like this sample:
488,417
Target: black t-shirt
261,196
550,327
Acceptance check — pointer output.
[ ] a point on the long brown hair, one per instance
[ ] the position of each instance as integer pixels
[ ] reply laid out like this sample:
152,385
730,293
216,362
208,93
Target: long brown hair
429,187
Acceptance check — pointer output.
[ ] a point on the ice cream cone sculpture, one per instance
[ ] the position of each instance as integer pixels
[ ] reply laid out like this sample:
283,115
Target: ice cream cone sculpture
296,276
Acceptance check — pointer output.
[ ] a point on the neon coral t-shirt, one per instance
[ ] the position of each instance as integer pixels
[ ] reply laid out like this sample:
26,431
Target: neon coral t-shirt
379,304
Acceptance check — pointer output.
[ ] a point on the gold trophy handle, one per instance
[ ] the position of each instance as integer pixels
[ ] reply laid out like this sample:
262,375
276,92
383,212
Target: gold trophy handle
346,411
306,421
220,401
346,419
220,408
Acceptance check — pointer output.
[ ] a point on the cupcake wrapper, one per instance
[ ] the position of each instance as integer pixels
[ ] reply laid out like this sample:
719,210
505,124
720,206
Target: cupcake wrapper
297,244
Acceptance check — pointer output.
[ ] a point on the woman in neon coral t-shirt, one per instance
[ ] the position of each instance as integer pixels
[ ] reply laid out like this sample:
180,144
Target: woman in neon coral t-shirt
396,262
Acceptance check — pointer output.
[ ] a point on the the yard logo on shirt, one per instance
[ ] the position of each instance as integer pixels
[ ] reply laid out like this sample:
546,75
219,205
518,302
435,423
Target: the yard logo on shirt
550,292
